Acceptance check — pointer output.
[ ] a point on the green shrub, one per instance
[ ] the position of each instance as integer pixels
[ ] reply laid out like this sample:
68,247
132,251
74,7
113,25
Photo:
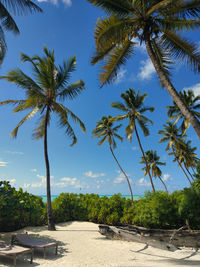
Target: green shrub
19,209
156,210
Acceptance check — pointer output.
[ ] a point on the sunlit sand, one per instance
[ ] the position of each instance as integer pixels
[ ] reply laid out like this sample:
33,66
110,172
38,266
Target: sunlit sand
81,245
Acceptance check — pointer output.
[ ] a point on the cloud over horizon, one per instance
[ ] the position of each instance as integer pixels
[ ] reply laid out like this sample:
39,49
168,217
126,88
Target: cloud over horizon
94,175
55,2
3,163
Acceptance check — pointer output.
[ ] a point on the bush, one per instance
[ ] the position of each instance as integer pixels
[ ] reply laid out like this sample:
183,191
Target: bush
19,209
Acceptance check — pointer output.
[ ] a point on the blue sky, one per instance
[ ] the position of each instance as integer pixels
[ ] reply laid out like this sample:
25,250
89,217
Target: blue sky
67,27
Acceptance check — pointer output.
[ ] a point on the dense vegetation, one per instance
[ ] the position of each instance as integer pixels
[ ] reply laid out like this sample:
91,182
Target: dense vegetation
156,210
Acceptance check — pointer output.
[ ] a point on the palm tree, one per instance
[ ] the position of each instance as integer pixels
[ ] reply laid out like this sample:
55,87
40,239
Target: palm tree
192,102
172,135
20,7
188,157
153,164
105,130
45,95
134,108
156,23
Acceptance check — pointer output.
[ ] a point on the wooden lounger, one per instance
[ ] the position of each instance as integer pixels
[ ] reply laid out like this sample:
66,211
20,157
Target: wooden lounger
27,241
13,251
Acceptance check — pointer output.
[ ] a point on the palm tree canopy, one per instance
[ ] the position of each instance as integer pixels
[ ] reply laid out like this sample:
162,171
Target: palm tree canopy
172,135
186,154
153,163
18,7
192,102
48,89
133,107
160,21
105,131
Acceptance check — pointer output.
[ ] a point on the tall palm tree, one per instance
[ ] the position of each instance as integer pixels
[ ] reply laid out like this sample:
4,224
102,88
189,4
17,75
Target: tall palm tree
105,130
134,108
156,23
45,94
153,164
192,102
172,135
20,7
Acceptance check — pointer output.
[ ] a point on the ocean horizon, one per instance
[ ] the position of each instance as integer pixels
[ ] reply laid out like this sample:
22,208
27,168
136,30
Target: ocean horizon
135,197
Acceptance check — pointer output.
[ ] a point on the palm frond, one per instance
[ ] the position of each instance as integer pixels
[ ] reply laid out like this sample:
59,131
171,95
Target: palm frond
40,130
27,117
102,140
72,90
186,9
114,61
182,49
22,6
159,6
112,31
64,71
119,106
64,113
12,102
120,7
7,21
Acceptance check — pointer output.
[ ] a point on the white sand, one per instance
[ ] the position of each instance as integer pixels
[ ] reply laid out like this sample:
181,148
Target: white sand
81,245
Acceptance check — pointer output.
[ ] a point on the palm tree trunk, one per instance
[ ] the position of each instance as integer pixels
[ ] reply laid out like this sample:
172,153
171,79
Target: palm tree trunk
144,158
129,185
189,172
163,183
171,90
51,225
180,165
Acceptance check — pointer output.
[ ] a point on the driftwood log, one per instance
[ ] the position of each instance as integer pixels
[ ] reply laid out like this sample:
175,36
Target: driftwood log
169,240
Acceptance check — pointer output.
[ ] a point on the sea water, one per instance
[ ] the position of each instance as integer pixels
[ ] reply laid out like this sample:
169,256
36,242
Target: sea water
136,197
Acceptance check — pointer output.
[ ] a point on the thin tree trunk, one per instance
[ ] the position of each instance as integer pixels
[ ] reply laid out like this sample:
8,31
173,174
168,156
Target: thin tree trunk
189,172
181,165
171,90
51,225
144,158
163,183
129,185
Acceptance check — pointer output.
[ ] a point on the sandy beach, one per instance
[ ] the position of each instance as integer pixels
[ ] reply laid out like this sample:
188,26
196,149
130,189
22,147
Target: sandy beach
81,245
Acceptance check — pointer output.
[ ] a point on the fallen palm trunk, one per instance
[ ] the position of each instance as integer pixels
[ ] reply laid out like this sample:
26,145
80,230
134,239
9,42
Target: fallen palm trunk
164,239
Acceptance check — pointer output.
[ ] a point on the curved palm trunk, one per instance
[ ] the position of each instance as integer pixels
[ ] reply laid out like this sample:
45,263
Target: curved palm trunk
163,183
171,90
51,225
129,185
189,173
144,158
180,165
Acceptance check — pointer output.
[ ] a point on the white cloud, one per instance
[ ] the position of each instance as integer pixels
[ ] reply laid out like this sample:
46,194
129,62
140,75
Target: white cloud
166,177
12,181
94,175
143,182
3,163
141,48
14,152
33,170
69,181
120,76
42,183
147,70
134,148
195,88
119,179
25,186
55,2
